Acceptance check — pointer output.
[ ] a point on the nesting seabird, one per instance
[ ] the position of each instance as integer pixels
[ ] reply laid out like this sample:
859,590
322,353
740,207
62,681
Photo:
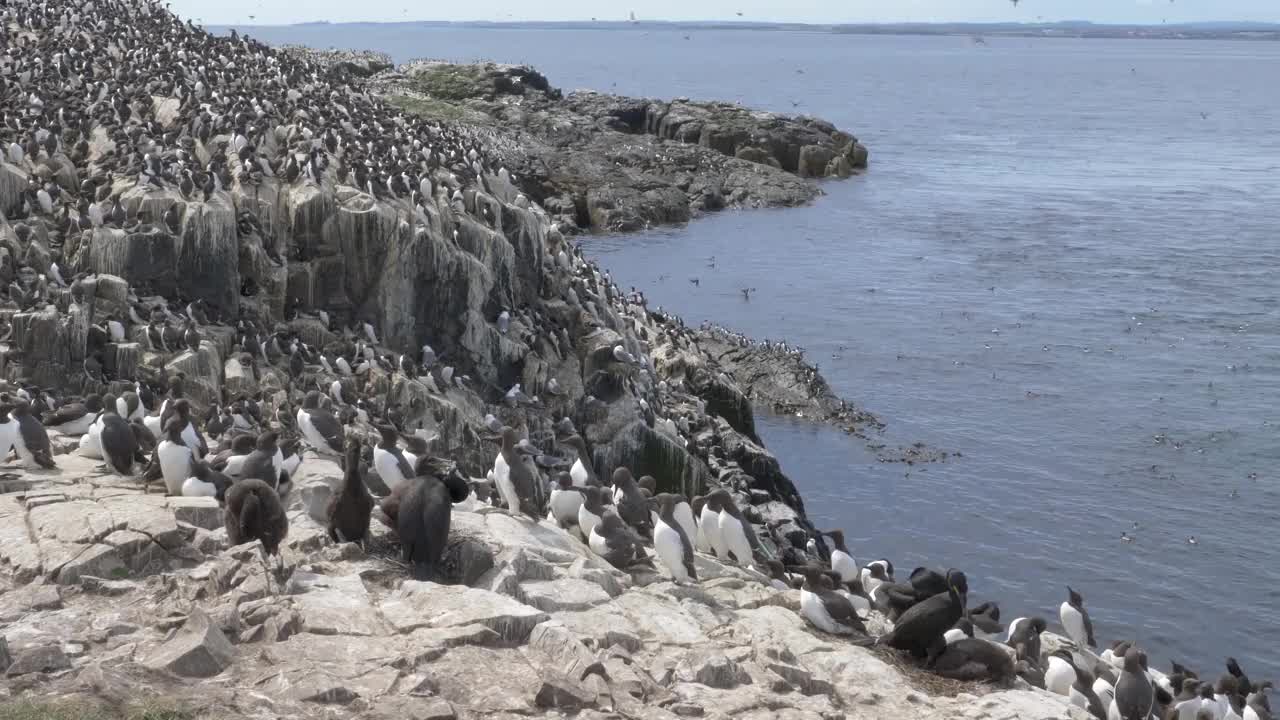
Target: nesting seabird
826,609
565,502
319,427
349,508
670,541
612,540
389,460
75,418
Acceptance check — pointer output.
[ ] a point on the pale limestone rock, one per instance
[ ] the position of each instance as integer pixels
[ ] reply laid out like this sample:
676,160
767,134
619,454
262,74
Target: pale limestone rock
40,659
711,668
418,604
564,594
198,650
334,605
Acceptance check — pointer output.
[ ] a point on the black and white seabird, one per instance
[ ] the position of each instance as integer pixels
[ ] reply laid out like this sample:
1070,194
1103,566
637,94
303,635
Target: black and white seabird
612,540
1075,620
671,543
582,472
1024,638
825,609
591,511
31,440
514,477
632,505
319,427
389,460
735,532
174,457
206,482
565,501
75,418
116,440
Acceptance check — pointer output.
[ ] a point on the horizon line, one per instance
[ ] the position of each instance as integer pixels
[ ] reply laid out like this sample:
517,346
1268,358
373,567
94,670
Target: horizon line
747,24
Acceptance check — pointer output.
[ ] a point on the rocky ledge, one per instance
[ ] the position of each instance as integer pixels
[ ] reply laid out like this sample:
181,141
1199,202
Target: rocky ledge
112,595
610,163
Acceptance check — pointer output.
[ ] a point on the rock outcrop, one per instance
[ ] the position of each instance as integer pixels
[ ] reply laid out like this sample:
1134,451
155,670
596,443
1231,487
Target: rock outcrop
604,162
544,625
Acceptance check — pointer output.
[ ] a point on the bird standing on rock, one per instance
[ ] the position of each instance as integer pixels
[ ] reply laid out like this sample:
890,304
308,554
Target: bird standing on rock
349,508
253,512
174,457
514,478
1134,695
389,460
1075,620
670,542
735,532
842,561
632,505
31,441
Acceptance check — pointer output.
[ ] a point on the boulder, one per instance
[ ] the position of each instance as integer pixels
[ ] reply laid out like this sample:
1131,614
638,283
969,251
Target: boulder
39,659
711,668
197,650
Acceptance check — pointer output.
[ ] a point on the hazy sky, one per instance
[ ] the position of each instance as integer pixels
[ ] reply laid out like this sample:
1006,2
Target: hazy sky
817,11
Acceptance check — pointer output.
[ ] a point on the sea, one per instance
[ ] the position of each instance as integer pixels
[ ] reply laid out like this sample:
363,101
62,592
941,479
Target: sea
1063,266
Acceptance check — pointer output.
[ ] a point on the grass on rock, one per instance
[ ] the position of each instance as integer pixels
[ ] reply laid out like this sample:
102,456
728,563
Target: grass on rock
86,710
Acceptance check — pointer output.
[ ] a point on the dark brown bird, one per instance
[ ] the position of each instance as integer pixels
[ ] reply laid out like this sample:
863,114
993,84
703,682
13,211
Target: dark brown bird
349,509
254,512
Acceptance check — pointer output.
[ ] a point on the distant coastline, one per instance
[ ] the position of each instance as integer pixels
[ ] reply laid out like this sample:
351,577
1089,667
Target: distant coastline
1069,29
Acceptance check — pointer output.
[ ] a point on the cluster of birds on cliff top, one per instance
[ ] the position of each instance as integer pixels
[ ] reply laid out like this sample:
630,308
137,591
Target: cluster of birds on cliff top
108,103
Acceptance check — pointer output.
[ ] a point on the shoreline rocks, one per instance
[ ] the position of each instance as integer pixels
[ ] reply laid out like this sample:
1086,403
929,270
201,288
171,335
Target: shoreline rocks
548,626
604,162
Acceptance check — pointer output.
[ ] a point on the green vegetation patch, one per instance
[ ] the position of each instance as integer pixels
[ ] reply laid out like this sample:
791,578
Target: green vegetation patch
86,710
453,82
436,109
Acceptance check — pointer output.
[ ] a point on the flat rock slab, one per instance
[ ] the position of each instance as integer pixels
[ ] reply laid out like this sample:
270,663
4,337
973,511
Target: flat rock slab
563,594
428,605
334,605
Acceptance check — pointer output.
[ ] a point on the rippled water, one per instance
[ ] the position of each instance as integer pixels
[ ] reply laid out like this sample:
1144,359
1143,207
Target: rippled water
1063,265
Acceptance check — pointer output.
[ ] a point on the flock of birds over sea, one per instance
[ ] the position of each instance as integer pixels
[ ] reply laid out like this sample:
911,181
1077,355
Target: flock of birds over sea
78,81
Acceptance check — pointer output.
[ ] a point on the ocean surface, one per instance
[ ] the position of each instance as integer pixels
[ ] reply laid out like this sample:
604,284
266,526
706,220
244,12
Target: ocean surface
1064,264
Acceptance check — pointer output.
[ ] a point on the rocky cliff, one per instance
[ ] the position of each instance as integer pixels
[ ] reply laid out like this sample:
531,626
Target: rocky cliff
118,602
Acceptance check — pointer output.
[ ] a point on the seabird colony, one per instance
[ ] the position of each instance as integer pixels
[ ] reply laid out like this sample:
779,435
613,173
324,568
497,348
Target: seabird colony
103,97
